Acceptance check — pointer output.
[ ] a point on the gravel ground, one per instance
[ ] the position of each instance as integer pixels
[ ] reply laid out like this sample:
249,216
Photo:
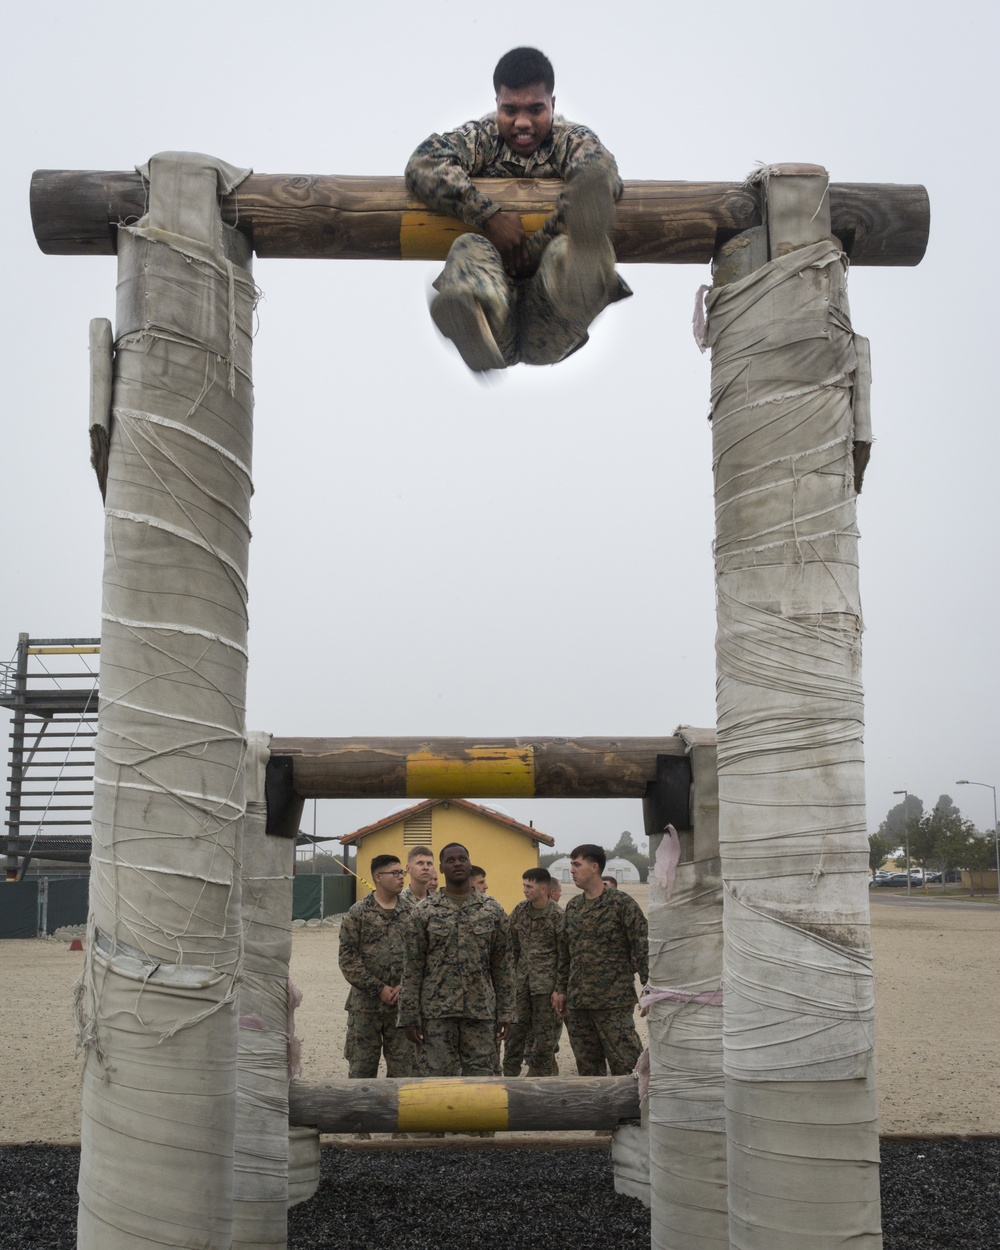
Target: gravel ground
936,1195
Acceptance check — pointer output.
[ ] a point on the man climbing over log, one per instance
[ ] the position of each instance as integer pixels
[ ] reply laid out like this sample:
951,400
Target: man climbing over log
505,296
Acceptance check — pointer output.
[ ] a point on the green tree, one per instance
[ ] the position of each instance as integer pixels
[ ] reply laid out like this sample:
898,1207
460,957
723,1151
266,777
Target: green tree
980,857
899,820
323,864
943,839
879,850
625,846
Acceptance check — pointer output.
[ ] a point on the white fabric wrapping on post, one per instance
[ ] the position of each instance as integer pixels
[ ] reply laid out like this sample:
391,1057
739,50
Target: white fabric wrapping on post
687,1127
796,1002
157,1002
790,699
303,1164
798,1015
261,1188
630,1160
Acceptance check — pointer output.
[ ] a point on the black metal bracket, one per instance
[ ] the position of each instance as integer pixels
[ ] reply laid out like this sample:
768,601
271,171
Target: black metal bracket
667,800
284,806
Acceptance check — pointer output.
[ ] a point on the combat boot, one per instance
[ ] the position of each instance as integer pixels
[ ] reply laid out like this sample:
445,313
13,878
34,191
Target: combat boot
588,214
460,317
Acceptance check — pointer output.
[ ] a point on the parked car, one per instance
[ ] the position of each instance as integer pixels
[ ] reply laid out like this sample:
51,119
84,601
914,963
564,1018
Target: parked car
898,878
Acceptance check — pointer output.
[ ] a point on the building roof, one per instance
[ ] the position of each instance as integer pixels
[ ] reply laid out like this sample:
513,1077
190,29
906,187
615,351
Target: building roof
498,818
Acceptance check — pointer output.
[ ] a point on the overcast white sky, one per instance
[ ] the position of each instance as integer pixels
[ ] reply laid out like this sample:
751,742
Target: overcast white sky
436,556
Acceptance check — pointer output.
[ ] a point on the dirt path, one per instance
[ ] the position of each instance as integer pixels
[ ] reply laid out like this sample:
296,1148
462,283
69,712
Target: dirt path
937,1004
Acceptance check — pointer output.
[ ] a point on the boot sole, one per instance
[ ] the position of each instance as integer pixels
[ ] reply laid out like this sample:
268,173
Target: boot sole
461,319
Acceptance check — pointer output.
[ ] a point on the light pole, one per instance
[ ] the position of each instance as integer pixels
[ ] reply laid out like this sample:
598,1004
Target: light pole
906,830
996,829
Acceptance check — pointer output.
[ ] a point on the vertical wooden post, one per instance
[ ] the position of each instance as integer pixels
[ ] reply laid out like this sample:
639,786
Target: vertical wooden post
687,1126
799,1013
157,1007
262,1143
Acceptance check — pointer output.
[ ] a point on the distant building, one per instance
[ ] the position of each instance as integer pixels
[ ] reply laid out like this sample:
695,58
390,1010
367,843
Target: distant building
559,868
497,842
623,870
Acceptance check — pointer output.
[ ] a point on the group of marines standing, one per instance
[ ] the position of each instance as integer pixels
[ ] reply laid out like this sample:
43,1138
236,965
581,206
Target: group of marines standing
440,977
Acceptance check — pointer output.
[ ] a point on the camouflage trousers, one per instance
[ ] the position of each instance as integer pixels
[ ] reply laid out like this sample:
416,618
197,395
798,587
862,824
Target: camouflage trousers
457,1047
535,1037
539,320
603,1040
369,1036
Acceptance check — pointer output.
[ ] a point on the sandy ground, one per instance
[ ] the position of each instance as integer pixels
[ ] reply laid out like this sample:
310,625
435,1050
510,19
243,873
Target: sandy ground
937,1007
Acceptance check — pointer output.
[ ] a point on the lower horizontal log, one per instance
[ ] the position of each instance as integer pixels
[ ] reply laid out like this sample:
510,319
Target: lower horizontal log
540,1142
465,1104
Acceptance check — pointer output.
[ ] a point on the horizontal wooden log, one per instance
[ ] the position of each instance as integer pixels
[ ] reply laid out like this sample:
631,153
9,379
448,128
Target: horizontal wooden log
540,1143
77,212
465,1104
420,768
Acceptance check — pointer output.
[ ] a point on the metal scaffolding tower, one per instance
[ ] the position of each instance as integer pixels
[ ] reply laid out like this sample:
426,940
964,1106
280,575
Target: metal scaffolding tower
51,748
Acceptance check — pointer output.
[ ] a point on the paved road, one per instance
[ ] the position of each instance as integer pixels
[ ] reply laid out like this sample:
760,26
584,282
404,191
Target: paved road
896,897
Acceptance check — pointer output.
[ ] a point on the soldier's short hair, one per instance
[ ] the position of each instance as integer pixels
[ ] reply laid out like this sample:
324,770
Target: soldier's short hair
476,871
591,851
383,861
523,67
537,874
447,847
418,850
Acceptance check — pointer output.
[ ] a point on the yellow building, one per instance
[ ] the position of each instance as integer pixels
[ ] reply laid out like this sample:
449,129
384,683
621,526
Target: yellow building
498,843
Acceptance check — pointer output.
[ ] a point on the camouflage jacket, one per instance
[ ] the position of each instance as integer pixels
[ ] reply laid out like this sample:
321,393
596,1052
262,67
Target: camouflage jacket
410,896
371,951
534,936
457,961
602,946
441,170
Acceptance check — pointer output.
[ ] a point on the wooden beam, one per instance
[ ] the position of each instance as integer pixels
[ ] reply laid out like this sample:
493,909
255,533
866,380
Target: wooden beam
77,212
357,768
464,1104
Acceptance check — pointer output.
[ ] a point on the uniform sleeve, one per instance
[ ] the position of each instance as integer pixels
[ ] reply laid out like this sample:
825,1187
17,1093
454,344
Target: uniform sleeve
414,963
502,972
562,962
440,174
637,931
349,957
515,937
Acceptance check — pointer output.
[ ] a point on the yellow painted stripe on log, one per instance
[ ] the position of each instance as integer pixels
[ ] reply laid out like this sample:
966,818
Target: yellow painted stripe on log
455,1106
64,650
482,772
428,236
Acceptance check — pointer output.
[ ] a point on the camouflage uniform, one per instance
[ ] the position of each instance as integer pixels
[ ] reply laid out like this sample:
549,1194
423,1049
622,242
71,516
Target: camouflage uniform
371,957
603,944
457,983
534,935
410,896
539,320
